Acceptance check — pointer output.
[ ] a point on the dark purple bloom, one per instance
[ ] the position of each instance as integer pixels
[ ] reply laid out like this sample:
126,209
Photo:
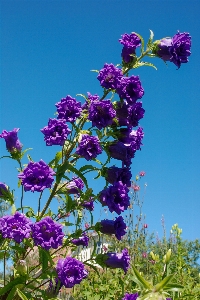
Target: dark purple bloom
16,227
115,260
89,147
130,88
114,174
101,113
37,176
70,271
108,76
75,185
115,197
47,234
69,109
129,115
81,241
3,189
12,142
117,227
130,296
88,205
56,132
130,42
177,49
118,150
53,289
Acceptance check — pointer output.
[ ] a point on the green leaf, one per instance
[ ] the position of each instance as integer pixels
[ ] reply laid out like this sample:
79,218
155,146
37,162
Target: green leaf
94,71
142,41
175,287
140,64
88,167
163,283
149,43
29,157
56,159
77,172
10,285
12,293
21,295
144,283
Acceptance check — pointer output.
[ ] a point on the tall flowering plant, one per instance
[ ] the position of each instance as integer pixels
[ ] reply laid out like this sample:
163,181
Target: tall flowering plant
113,131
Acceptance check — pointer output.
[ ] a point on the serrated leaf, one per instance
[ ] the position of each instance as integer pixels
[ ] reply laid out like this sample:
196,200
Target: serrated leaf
144,283
163,283
142,41
21,295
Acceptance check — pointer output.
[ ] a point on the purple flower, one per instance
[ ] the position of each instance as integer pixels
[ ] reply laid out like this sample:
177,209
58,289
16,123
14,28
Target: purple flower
37,176
70,271
89,147
177,49
47,234
130,88
101,113
129,115
118,150
130,42
108,76
56,132
115,260
89,205
75,185
130,296
114,174
117,227
115,197
81,241
53,289
3,189
13,144
69,109
16,227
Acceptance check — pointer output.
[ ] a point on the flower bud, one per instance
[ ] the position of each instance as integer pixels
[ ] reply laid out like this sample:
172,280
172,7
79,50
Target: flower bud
21,267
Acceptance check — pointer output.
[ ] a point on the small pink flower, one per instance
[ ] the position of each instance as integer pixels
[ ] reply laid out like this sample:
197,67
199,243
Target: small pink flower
145,226
105,248
152,261
144,255
67,214
142,173
136,188
87,225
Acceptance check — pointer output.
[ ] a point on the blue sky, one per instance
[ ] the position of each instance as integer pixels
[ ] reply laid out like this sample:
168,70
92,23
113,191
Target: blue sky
47,51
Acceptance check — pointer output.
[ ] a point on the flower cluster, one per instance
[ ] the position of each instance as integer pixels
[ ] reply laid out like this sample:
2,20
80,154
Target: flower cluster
115,174
37,176
47,233
70,271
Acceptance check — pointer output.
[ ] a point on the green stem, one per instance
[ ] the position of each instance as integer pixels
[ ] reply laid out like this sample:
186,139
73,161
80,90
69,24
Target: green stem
49,200
4,269
39,202
22,195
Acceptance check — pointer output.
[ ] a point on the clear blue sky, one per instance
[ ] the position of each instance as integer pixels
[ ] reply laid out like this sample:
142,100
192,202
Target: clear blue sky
47,51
